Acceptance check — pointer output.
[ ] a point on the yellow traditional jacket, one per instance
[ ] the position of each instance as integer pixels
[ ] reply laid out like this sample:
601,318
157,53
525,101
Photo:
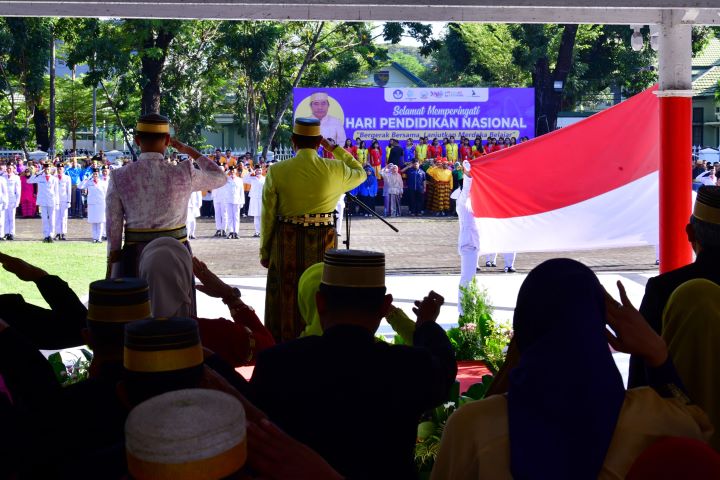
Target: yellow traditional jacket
304,184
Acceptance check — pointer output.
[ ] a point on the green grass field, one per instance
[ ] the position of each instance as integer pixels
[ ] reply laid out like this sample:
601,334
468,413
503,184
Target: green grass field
78,263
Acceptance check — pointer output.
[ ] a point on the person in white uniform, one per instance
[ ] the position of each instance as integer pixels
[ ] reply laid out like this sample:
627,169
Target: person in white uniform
218,198
97,191
4,201
509,258
468,237
256,182
234,201
64,201
13,181
104,177
47,199
193,212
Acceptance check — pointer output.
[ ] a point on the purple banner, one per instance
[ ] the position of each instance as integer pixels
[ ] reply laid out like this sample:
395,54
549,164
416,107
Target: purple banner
402,113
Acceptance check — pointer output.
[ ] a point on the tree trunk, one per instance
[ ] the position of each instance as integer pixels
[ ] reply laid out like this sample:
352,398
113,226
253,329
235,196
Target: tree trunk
42,129
282,108
547,100
74,141
52,97
152,71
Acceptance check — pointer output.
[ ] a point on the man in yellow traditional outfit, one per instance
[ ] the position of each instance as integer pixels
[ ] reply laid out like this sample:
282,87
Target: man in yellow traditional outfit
298,220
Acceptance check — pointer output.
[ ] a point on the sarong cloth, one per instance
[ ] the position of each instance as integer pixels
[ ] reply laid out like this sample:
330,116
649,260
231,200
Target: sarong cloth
294,248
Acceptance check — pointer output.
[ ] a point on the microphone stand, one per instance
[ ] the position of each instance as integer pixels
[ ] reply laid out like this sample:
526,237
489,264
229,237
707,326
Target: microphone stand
350,199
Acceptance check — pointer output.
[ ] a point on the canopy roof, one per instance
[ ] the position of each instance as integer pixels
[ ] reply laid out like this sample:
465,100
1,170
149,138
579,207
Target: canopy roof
621,12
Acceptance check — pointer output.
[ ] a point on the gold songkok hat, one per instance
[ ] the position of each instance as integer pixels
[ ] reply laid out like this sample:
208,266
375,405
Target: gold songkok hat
707,204
354,269
153,123
186,434
155,346
121,300
307,127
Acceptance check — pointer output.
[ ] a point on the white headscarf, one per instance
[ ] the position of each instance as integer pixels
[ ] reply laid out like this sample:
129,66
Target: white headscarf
166,265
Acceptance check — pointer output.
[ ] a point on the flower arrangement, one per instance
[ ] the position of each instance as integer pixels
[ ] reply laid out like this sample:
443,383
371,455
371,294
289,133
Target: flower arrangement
478,336
71,366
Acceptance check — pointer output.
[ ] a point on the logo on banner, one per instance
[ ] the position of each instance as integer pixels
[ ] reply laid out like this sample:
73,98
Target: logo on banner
397,94
381,78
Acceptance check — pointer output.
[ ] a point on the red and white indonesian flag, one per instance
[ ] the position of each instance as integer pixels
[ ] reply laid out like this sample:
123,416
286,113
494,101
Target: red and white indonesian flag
590,185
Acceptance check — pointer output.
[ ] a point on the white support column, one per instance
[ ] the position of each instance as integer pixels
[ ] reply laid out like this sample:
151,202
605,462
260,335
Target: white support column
675,94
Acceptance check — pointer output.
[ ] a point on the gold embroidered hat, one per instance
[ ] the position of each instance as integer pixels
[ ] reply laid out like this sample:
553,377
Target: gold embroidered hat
707,204
162,345
354,268
307,127
186,434
153,123
120,300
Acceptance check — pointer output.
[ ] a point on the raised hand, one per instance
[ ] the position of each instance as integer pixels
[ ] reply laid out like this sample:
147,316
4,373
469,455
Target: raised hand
428,309
23,270
632,333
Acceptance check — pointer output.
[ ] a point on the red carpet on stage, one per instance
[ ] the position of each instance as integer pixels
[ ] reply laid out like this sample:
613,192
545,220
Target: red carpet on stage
469,372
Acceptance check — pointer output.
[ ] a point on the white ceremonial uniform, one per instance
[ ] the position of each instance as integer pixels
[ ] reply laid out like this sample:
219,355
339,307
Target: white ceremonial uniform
4,201
218,197
340,209
47,199
256,189
13,202
97,191
234,201
509,258
193,212
468,238
65,199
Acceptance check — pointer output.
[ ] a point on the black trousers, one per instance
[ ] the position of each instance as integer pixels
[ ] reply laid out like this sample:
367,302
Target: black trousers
416,201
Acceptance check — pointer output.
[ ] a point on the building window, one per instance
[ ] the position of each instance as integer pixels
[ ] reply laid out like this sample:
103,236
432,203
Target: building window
697,135
698,115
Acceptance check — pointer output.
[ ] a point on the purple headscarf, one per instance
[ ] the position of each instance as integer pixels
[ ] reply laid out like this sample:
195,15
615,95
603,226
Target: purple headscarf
566,394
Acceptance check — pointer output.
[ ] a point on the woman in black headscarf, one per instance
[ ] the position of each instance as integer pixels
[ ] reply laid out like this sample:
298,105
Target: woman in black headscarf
566,414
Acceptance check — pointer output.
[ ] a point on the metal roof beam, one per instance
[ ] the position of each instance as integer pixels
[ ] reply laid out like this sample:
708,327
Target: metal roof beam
633,12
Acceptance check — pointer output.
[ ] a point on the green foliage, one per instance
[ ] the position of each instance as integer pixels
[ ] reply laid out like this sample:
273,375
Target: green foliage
410,62
478,336
433,423
70,368
475,54
24,57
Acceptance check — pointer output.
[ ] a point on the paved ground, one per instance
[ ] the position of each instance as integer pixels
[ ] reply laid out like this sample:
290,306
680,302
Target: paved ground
423,246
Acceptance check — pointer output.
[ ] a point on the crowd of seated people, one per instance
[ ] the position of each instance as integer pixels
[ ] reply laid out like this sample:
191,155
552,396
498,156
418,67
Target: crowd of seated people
163,398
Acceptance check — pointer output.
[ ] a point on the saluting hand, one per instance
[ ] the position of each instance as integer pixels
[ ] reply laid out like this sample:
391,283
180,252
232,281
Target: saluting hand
631,333
428,309
327,145
23,270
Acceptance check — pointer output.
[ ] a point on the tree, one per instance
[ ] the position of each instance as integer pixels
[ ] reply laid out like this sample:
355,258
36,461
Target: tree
131,50
477,55
24,58
194,89
74,106
409,62
549,59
